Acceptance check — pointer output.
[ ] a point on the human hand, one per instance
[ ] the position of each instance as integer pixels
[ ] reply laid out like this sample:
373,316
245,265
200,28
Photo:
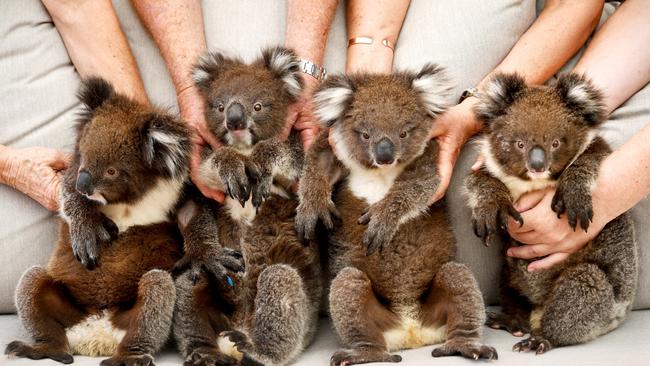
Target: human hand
452,130
547,236
35,171
192,110
300,114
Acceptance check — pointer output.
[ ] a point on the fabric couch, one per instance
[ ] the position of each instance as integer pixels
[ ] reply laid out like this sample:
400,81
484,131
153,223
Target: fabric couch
38,105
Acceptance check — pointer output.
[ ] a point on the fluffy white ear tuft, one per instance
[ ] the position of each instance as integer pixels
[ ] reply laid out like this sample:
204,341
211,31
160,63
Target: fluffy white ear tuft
433,86
284,63
207,68
582,97
332,99
166,146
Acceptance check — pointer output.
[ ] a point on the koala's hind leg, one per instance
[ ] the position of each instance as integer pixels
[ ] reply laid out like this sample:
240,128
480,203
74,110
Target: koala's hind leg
46,311
360,320
198,320
578,309
147,323
514,316
283,319
465,314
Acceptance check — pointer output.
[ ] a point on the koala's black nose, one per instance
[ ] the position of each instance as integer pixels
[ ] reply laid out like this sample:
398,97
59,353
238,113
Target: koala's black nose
537,159
385,151
84,183
236,117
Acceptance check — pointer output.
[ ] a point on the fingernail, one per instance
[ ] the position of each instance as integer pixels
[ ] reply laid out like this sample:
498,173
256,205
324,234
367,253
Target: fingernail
509,252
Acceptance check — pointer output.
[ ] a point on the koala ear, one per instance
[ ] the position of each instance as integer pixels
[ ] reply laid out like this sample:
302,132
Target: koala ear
166,145
499,94
582,97
432,85
332,98
208,68
285,65
93,92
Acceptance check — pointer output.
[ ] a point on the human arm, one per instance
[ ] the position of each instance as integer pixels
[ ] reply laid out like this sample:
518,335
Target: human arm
96,44
619,68
177,28
308,26
559,31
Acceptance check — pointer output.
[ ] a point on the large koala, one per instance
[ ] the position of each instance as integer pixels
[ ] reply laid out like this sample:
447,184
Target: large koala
546,136
269,314
395,285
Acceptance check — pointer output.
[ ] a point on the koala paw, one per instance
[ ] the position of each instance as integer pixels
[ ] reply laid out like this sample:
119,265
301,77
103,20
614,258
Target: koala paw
237,173
217,264
262,188
88,235
538,344
354,357
516,326
128,360
465,348
38,352
308,215
489,219
381,228
576,203
209,358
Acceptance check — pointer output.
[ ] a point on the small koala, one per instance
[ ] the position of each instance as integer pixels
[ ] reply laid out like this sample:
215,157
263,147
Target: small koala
546,136
269,314
119,195
396,285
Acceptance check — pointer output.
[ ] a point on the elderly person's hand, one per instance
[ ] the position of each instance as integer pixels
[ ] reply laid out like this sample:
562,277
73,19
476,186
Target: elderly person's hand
300,115
35,171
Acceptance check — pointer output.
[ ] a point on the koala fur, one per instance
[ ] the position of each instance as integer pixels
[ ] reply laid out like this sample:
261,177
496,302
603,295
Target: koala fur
129,166
395,284
536,137
269,314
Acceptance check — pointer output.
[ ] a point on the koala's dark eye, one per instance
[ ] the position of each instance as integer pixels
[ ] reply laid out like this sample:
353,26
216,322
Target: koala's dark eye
403,134
520,144
220,107
365,135
555,144
257,107
110,172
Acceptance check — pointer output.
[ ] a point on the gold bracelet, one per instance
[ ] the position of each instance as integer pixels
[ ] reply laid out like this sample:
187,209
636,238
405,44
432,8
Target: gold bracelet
367,40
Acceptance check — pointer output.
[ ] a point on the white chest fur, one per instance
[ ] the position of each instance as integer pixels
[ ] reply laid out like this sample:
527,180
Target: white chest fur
368,184
152,208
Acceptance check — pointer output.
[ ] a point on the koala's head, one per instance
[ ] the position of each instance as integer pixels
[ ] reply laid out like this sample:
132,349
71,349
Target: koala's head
247,103
123,147
382,120
534,132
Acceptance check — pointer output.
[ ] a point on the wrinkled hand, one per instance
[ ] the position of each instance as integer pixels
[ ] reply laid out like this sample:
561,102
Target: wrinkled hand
35,171
548,237
192,110
452,130
300,114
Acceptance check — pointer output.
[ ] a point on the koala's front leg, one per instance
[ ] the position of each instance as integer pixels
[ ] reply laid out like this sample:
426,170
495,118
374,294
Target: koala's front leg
320,172
203,252
275,158
573,193
407,199
491,205
231,171
89,228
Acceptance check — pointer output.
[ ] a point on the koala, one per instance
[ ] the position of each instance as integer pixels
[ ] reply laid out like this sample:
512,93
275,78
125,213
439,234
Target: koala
395,283
130,164
546,136
269,314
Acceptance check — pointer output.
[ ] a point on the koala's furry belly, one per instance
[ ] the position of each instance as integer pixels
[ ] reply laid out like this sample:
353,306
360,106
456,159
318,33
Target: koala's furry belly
403,273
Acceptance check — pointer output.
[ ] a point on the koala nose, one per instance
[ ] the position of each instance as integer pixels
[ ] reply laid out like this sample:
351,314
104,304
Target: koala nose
236,117
84,183
537,159
385,151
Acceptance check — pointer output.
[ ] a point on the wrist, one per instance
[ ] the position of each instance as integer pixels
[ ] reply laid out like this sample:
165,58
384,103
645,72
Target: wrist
472,124
5,163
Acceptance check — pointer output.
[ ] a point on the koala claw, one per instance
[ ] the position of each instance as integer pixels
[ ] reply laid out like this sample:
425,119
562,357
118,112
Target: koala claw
209,358
488,221
538,344
467,349
307,216
578,207
261,189
214,264
88,236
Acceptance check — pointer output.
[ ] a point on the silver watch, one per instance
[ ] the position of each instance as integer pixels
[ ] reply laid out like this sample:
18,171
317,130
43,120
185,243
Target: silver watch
319,73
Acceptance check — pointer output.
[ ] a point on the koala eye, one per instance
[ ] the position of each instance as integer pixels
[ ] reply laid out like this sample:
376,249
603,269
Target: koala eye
257,107
555,144
520,144
110,172
220,107
365,135
403,134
